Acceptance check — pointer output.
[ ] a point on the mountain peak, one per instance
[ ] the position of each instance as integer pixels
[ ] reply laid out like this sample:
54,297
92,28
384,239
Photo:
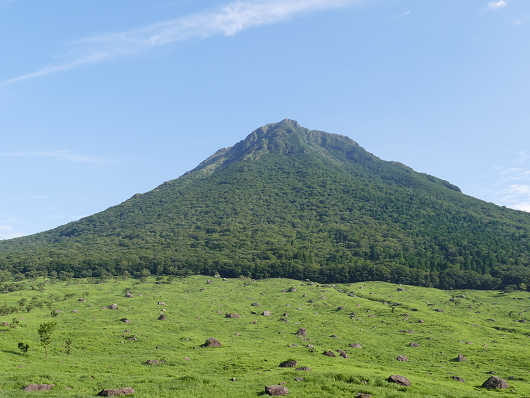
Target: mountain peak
286,137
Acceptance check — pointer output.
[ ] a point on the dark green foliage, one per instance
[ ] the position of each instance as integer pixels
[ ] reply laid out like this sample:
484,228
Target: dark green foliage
68,345
290,202
23,347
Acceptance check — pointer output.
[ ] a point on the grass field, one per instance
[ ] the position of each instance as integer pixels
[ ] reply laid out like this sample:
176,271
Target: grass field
483,326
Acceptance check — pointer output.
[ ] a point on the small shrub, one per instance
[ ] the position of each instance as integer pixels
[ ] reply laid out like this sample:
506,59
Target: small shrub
23,347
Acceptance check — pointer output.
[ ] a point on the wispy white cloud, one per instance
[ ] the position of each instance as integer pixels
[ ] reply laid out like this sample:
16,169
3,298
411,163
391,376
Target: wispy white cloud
497,5
228,20
522,206
405,13
8,232
62,155
514,183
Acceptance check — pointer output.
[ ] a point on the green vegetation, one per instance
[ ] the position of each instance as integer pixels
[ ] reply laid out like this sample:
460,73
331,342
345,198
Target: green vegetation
45,335
290,202
483,326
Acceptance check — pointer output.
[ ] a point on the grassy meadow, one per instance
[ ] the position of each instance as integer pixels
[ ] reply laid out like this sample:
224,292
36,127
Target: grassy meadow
384,318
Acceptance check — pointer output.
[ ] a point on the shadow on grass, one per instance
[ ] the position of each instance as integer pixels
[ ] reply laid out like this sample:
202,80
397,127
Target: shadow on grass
13,352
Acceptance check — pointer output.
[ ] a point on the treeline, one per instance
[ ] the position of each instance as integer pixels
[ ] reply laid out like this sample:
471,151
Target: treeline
501,278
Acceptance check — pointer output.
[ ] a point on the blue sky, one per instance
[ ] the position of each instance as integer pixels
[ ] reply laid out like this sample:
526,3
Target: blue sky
100,100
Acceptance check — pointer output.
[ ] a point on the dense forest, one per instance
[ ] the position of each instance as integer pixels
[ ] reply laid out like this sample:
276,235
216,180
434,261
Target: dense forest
296,203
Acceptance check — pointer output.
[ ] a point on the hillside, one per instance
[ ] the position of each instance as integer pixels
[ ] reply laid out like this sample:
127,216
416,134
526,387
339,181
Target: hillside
107,353
297,203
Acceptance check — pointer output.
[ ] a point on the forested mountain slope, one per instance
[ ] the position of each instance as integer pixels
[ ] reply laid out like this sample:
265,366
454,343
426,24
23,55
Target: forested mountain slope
297,203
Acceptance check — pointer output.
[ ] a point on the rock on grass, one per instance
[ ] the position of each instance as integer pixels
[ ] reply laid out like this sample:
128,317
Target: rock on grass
495,383
276,390
116,392
402,380
211,342
38,387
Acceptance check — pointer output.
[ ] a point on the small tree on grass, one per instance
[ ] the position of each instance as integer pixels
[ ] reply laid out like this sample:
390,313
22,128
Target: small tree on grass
45,333
68,345
23,347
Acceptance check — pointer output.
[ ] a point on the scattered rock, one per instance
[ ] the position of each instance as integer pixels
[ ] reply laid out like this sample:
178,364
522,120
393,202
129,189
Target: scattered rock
75,311
211,342
254,304
494,383
232,315
460,358
301,332
356,345
161,303
363,395
290,363
233,379
438,310
113,307
266,313
116,392
298,379
342,353
39,387
399,380
209,281
162,317
522,321
81,299
276,390
421,321
333,336
128,295
459,379
340,308
291,289
5,324
155,362
399,289
124,320
402,358
413,344
329,354
304,369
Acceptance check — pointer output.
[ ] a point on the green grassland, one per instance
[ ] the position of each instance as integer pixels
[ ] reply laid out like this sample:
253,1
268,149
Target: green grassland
481,325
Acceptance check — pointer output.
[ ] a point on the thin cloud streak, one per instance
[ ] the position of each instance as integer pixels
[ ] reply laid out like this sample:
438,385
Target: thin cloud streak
496,5
226,21
62,155
7,232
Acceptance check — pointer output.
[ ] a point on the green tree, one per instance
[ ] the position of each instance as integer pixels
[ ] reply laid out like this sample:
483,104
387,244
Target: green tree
23,347
46,330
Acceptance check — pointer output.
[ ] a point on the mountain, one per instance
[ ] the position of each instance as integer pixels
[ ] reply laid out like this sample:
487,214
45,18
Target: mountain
297,203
